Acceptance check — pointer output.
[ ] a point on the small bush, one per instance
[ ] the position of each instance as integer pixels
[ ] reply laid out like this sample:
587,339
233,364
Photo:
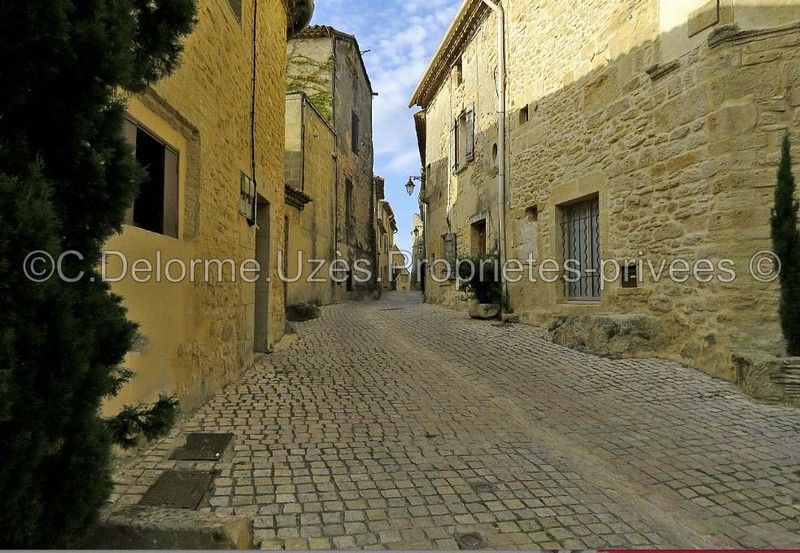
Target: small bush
151,423
302,312
480,276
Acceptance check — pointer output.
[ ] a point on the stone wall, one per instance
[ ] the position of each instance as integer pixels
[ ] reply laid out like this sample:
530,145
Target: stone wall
682,152
311,228
197,336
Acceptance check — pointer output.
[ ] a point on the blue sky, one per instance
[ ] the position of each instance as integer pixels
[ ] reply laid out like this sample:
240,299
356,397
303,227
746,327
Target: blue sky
401,36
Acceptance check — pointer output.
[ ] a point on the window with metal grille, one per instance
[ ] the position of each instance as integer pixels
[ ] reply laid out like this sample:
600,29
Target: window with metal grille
580,231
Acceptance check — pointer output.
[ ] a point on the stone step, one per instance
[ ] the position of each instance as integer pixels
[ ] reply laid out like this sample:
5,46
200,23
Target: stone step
141,527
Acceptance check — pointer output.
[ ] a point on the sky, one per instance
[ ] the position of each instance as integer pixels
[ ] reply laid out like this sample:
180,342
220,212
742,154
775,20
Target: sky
401,36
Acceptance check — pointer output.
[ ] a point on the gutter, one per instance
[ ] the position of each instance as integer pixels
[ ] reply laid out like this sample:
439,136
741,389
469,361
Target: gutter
501,138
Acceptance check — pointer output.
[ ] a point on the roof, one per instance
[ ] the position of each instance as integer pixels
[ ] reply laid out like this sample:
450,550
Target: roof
466,22
326,31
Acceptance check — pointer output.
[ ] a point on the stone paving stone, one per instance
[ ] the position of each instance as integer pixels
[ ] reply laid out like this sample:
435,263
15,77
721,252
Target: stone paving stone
370,431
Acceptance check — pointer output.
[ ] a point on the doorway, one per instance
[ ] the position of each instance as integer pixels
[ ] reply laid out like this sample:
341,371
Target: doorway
261,330
479,238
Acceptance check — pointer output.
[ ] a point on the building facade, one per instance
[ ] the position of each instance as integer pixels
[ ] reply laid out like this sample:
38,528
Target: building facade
417,253
326,65
642,132
211,138
310,179
386,228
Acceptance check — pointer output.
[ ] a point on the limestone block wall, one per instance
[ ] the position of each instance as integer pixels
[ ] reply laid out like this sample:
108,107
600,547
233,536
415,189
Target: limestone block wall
197,336
682,152
311,230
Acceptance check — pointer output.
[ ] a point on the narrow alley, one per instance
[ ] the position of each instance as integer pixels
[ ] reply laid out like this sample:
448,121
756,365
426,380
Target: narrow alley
397,424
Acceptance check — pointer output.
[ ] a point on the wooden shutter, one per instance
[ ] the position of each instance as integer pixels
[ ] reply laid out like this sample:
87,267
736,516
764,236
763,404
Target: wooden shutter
454,146
129,131
450,252
469,154
171,192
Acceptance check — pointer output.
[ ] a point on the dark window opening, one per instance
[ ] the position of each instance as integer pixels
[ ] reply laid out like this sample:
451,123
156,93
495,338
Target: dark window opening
524,115
156,207
348,203
630,276
356,132
458,71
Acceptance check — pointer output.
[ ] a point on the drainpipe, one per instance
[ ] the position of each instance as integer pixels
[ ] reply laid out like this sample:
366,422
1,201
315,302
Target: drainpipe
501,140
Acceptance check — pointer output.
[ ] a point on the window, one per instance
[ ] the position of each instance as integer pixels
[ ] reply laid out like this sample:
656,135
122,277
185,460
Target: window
348,203
236,7
450,254
580,228
355,132
524,115
462,140
247,197
156,207
630,276
458,71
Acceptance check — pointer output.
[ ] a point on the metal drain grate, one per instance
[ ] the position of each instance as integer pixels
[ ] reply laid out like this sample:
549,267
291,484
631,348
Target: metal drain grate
482,486
472,540
203,447
179,489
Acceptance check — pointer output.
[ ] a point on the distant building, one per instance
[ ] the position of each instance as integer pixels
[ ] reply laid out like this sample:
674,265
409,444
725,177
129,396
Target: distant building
310,178
417,252
326,65
386,229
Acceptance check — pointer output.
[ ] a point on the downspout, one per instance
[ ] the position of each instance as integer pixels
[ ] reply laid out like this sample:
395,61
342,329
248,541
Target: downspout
501,140
253,93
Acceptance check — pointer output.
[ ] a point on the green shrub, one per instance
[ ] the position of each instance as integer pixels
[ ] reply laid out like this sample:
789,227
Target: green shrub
480,276
302,312
67,177
786,245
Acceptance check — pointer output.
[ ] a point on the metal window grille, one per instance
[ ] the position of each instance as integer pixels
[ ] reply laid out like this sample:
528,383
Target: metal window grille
580,227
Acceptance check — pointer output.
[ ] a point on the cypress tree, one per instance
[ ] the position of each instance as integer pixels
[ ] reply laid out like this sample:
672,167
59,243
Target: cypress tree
786,245
66,179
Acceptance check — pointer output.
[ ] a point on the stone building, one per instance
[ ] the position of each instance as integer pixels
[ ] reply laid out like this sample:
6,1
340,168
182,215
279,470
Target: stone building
326,65
310,178
386,229
636,131
211,138
418,252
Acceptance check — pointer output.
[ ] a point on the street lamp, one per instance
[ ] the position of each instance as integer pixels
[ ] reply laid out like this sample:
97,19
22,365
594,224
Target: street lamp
410,184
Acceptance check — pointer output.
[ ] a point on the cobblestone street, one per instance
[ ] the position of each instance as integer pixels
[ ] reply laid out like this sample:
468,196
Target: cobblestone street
396,424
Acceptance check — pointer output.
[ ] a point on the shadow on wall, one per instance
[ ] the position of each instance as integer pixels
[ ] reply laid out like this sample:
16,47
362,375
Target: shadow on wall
681,153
